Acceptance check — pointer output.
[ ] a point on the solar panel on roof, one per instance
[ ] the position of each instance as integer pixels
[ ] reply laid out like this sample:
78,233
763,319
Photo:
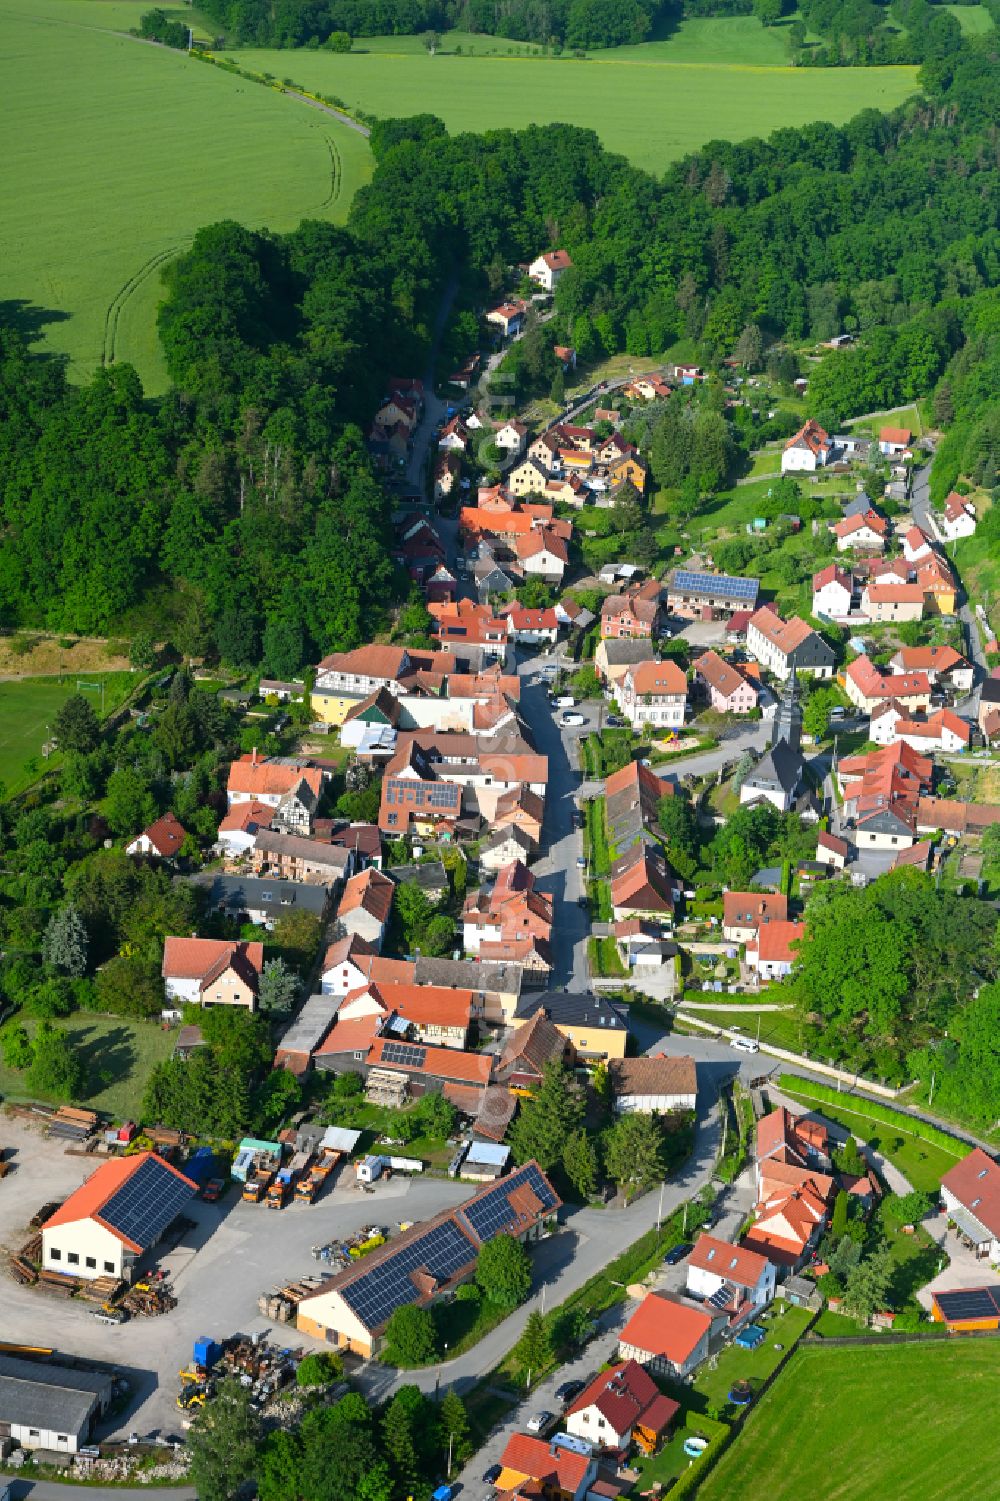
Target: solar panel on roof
969,1303
716,583
492,1213
405,1053
147,1203
442,1252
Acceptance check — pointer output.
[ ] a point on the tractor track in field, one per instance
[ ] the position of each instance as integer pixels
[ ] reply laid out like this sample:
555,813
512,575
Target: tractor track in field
336,173
121,297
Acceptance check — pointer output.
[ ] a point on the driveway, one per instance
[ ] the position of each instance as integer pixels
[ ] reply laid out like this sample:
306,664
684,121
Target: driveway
965,1268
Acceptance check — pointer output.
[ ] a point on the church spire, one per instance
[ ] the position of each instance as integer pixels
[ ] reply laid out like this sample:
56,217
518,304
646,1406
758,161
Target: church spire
788,716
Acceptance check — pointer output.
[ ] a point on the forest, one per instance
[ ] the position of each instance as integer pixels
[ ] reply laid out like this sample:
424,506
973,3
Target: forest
854,33
240,512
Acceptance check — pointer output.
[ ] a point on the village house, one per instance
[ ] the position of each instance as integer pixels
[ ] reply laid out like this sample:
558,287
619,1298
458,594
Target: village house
654,694
364,908
771,953
621,1406
527,1051
542,553
161,841
210,972
447,473
642,884
916,545
833,592
648,388
296,859
945,667
780,645
547,269
612,659
545,1467
957,518
881,793
867,686
894,442
709,596
284,785
793,1189
866,531
833,850
971,1194
807,450
632,615
595,1026
530,627
631,804
653,1086
503,845
508,317
892,602
943,731
731,1278
729,692
238,829
743,912
523,808
668,1336
511,438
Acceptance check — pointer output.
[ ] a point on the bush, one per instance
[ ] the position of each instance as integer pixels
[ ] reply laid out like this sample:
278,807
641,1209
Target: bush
319,1368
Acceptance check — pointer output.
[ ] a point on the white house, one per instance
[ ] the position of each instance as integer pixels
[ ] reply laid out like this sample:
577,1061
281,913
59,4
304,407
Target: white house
971,1194
668,1336
508,317
653,1086
833,590
807,450
654,694
239,828
958,519
210,972
548,268
161,841
916,545
893,441
96,1232
511,438
770,953
622,1402
543,554
49,1406
729,1276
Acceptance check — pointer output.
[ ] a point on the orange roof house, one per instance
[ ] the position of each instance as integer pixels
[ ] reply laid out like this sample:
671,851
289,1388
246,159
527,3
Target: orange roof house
163,839
667,1335
97,1231
250,777
533,1467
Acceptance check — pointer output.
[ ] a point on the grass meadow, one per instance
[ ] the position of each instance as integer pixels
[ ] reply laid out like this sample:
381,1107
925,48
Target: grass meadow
855,1422
27,709
121,152
119,1055
652,103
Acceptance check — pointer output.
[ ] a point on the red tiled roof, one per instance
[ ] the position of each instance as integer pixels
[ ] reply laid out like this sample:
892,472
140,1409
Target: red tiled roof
194,958
355,1035
810,435
660,1326
895,435
559,1471
744,909
773,943
658,678
786,635
720,674
371,890
736,1264
166,835
626,1395
93,1196
975,1182
442,1063
262,778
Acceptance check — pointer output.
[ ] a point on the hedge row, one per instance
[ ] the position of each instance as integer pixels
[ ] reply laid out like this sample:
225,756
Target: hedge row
871,1110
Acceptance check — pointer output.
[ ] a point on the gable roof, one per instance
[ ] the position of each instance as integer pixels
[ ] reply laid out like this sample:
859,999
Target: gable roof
662,1326
271,778
111,1193
810,435
773,943
744,909
201,958
741,1267
371,890
975,1182
663,1075
895,435
534,1045
166,835
555,1468
720,674
625,1394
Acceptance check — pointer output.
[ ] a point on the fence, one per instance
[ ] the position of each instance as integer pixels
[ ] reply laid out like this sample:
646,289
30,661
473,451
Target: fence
853,1081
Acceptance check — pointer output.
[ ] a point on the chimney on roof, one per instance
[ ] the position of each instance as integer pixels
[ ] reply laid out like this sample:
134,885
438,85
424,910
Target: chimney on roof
253,757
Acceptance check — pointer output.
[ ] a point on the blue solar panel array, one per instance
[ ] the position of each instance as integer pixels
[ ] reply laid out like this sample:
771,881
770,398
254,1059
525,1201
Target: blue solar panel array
442,1251
147,1203
716,583
490,1213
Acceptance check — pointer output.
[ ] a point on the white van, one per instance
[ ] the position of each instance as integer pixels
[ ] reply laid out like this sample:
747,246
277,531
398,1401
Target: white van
565,701
744,1044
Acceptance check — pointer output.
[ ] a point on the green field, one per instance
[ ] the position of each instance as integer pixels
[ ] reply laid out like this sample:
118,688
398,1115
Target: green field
653,103
975,20
27,709
120,152
119,1055
914,1422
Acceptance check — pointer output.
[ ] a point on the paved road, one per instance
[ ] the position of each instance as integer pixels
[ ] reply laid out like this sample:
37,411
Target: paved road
51,1490
589,1239
921,507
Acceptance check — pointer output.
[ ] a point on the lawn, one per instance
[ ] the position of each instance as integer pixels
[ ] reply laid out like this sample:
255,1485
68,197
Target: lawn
975,20
782,1029
923,1163
851,1423
652,103
27,709
118,152
119,1055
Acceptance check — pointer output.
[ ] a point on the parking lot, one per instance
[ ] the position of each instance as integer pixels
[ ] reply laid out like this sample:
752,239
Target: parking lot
236,1252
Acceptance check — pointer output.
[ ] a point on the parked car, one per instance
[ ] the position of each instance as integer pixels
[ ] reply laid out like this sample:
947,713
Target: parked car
569,1390
581,863
614,721
493,1474
678,1253
571,719
538,1421
565,701
213,1190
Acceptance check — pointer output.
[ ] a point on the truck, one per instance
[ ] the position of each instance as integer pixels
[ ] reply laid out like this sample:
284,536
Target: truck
293,1170
278,1194
255,1188
251,1154
310,1183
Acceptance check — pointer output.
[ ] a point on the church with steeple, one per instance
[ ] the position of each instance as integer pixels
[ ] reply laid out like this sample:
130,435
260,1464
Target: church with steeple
777,777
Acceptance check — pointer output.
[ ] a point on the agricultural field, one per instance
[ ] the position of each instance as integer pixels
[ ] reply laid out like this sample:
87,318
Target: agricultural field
850,1423
653,102
27,709
121,152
